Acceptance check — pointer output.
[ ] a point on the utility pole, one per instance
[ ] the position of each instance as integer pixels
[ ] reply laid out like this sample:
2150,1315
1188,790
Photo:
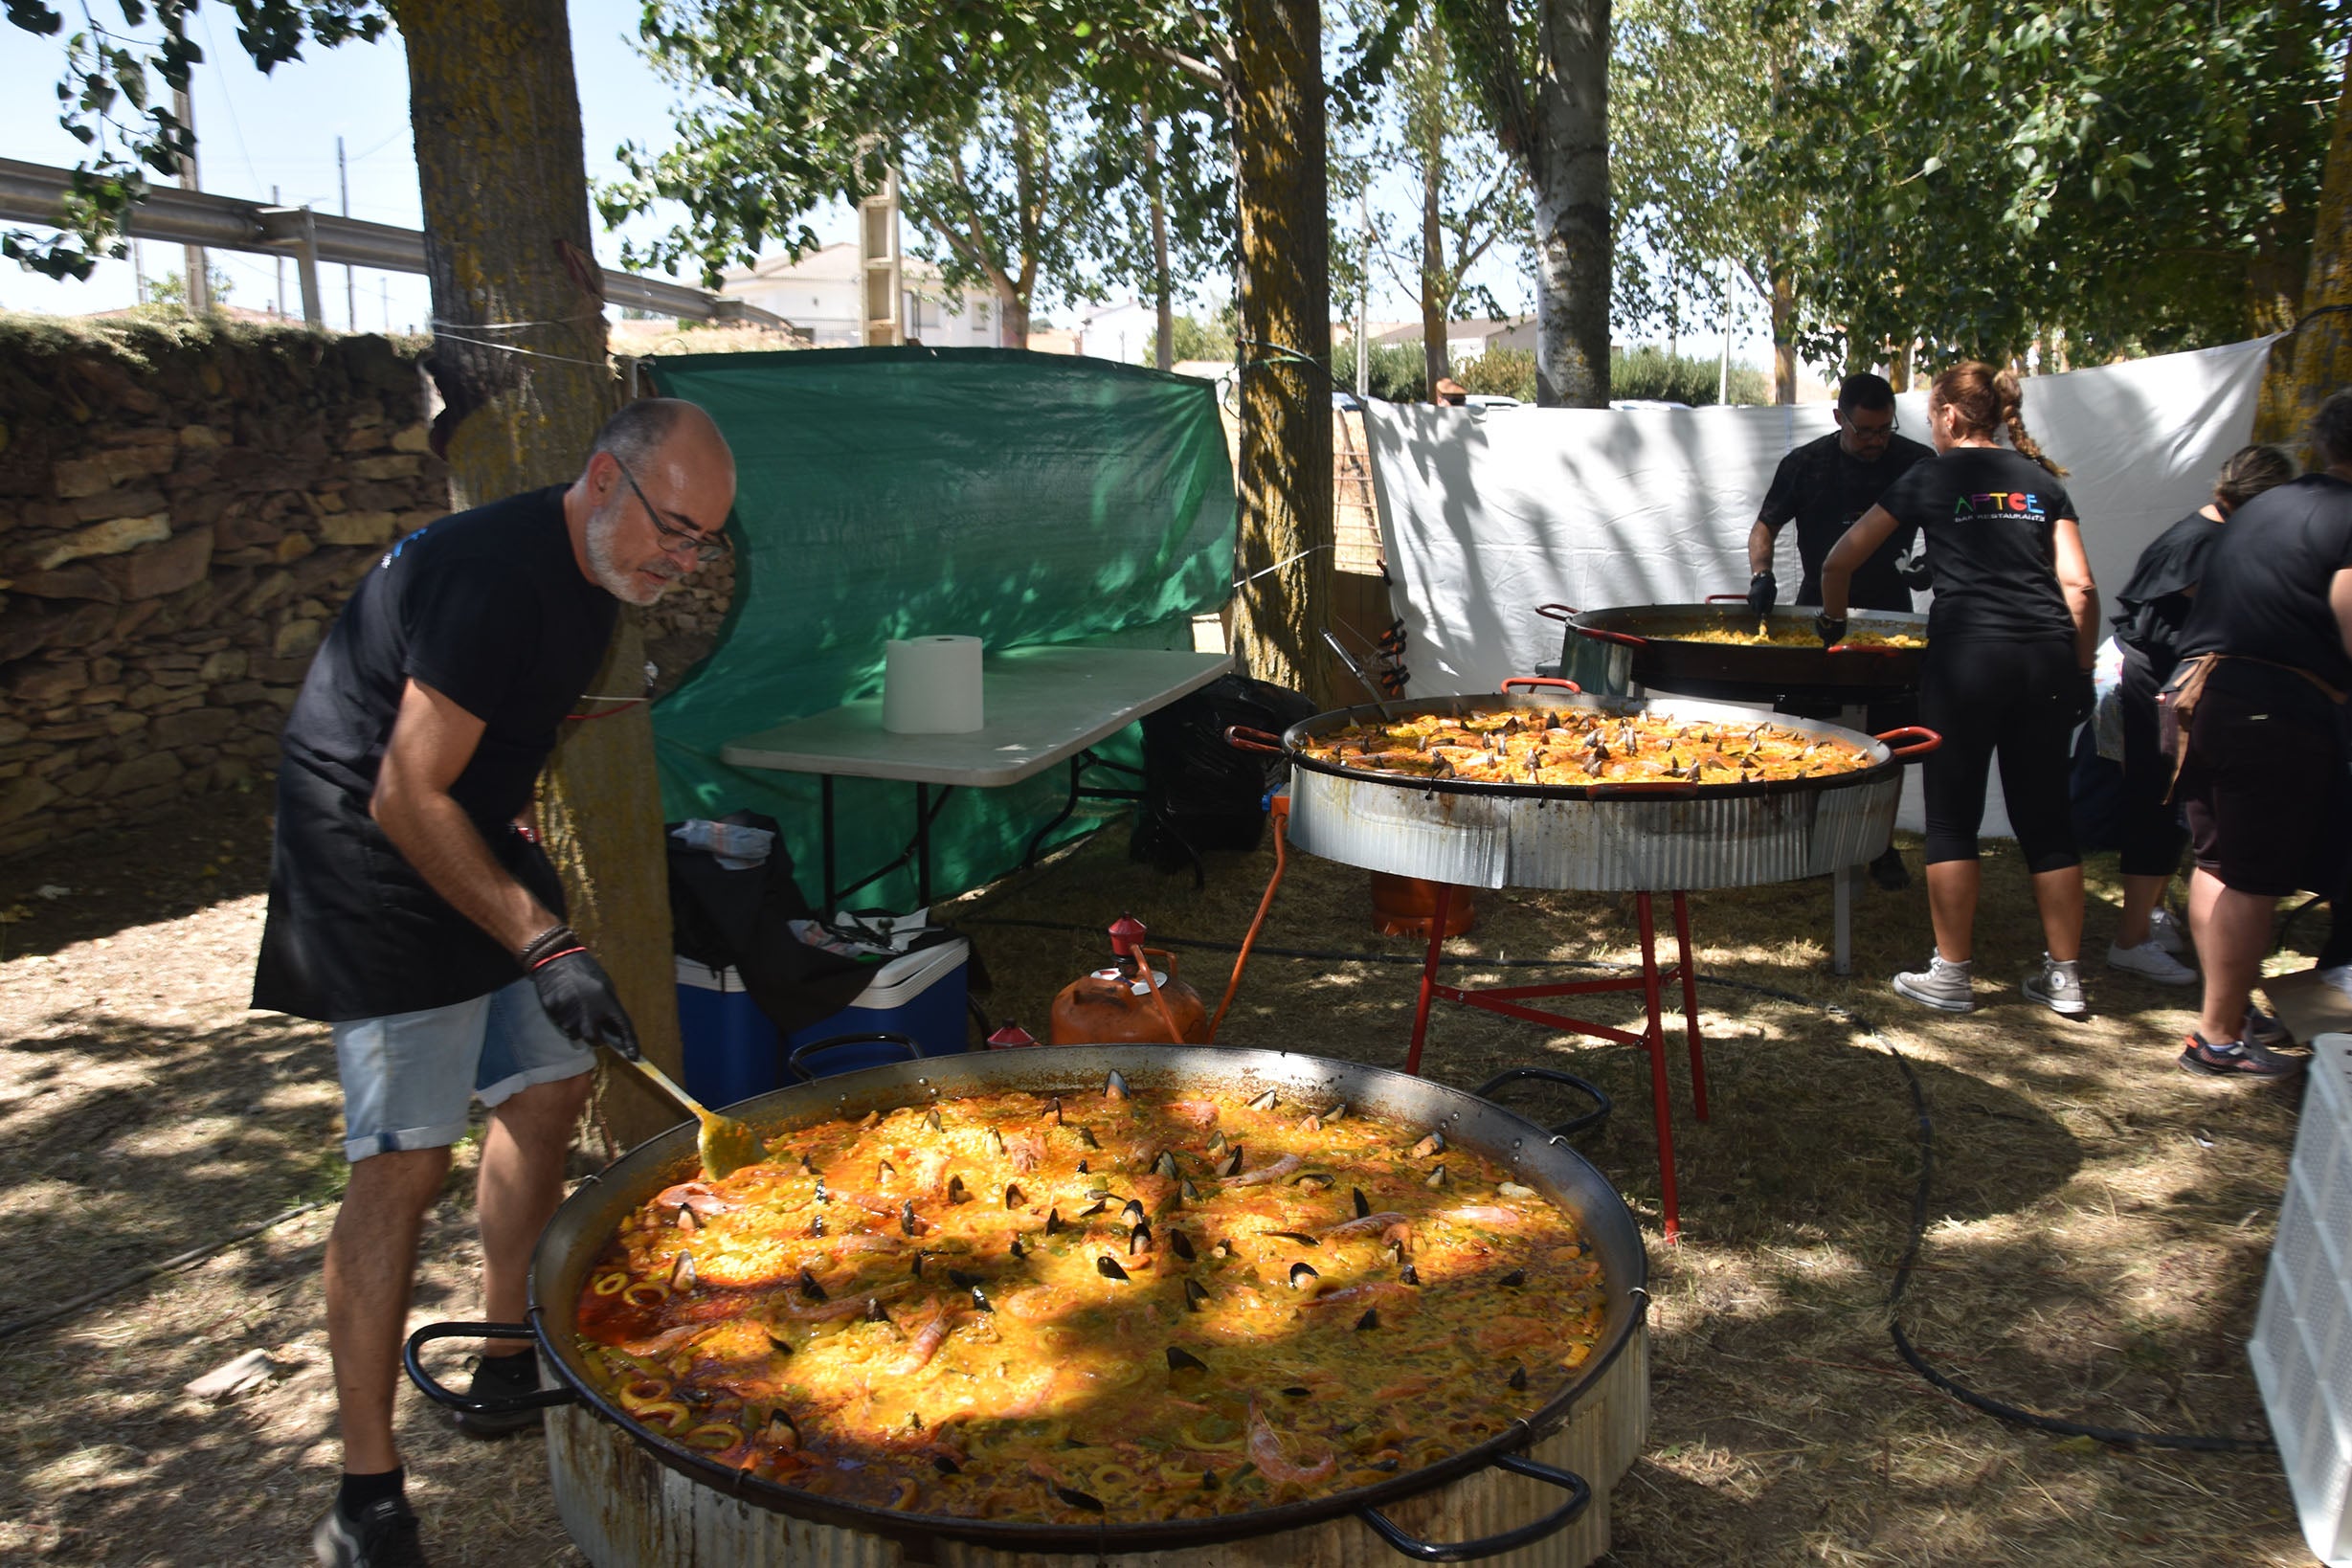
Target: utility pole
199,291
384,292
277,201
139,272
350,286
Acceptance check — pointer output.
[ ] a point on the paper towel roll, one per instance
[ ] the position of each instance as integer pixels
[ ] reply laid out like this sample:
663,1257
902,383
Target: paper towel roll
930,685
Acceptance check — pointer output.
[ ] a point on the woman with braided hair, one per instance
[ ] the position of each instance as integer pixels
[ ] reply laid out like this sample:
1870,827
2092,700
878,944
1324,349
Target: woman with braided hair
2010,641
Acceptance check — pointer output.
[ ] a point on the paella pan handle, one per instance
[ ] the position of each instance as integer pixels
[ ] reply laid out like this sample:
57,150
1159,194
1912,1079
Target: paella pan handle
1602,633
438,1392
1555,612
1242,738
797,1064
1602,1105
1727,598
1511,682
1580,1495
1923,741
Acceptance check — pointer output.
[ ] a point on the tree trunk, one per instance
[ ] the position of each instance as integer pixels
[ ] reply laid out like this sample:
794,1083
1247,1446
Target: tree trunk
1783,338
1163,342
1013,313
505,189
1436,365
1286,467
1570,174
2317,360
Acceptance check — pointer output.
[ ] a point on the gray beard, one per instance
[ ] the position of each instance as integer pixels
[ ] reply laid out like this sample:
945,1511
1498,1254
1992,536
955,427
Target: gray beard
623,585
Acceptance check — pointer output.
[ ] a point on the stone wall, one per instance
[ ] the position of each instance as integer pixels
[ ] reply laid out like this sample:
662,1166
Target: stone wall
183,508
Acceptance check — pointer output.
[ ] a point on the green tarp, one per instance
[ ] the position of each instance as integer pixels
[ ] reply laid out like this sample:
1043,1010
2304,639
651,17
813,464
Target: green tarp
887,493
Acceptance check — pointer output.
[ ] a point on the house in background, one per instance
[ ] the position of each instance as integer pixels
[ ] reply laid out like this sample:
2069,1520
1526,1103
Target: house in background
1125,333
819,294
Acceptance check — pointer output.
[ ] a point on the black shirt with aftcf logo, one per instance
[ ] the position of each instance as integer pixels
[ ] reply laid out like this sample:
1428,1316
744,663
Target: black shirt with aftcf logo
1826,490
1990,517
490,609
2265,592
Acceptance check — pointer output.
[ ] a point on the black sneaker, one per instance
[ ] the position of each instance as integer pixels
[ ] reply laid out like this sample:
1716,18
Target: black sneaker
1889,871
2234,1058
501,1377
383,1536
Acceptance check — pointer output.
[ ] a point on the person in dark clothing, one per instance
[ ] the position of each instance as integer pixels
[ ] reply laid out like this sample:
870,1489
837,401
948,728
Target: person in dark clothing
2010,644
2271,637
411,907
2150,612
1823,486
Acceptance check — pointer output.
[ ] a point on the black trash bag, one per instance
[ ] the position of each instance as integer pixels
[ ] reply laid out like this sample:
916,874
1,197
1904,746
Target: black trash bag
1198,792
742,920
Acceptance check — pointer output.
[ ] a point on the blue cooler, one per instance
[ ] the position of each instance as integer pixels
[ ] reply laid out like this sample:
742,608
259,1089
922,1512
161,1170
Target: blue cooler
732,1052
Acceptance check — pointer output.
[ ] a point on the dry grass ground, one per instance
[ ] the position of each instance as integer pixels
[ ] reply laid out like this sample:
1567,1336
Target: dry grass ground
2099,1221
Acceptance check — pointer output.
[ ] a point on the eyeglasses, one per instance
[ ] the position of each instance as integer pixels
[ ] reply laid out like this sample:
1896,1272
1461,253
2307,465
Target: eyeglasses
702,549
1893,423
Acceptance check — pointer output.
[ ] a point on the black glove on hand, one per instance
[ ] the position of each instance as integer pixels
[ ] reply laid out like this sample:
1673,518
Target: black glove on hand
579,997
1762,590
2082,697
1831,629
1913,571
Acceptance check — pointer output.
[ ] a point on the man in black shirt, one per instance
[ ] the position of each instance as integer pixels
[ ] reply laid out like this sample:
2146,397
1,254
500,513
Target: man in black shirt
1825,486
2265,769
411,908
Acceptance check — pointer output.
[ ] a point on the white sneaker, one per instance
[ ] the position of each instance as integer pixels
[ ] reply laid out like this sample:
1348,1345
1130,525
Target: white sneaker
2341,977
1942,984
2150,962
2169,932
2058,987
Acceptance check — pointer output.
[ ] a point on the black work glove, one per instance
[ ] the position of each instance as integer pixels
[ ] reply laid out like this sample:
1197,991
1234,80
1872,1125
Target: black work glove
1762,590
1831,629
2081,696
577,994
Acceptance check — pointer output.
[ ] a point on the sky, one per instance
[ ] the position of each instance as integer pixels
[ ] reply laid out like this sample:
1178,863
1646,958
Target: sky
264,137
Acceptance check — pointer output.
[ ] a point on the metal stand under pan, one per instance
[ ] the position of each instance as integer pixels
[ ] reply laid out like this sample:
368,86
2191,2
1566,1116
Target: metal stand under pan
1510,1001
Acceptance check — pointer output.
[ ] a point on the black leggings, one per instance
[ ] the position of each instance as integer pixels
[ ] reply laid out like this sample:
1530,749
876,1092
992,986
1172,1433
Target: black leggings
2012,698
2153,837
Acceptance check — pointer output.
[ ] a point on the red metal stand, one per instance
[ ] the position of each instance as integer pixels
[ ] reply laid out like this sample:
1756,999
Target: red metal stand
1508,1001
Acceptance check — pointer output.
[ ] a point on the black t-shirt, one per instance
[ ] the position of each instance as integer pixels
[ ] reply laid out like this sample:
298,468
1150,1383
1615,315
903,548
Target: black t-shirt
490,609
2265,591
1826,490
1989,515
2155,604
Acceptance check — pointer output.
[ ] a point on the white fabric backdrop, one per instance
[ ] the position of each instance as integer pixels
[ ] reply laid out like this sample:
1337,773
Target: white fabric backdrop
1486,514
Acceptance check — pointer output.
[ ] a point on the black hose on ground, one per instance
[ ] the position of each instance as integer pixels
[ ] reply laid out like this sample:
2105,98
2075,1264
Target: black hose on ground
1942,1381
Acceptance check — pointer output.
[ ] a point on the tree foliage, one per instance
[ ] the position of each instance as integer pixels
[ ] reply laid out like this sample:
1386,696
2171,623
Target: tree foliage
2104,176
1468,199
1691,85
107,99
1019,134
1539,72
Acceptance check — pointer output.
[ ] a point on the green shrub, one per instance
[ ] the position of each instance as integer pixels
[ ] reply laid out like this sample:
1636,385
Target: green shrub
1399,372
1398,375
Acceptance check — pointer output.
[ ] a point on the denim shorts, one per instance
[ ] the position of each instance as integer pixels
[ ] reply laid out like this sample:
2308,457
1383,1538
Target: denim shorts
406,1078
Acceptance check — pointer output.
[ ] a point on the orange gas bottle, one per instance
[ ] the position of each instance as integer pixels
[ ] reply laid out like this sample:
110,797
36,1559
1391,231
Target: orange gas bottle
1131,1002
1405,907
